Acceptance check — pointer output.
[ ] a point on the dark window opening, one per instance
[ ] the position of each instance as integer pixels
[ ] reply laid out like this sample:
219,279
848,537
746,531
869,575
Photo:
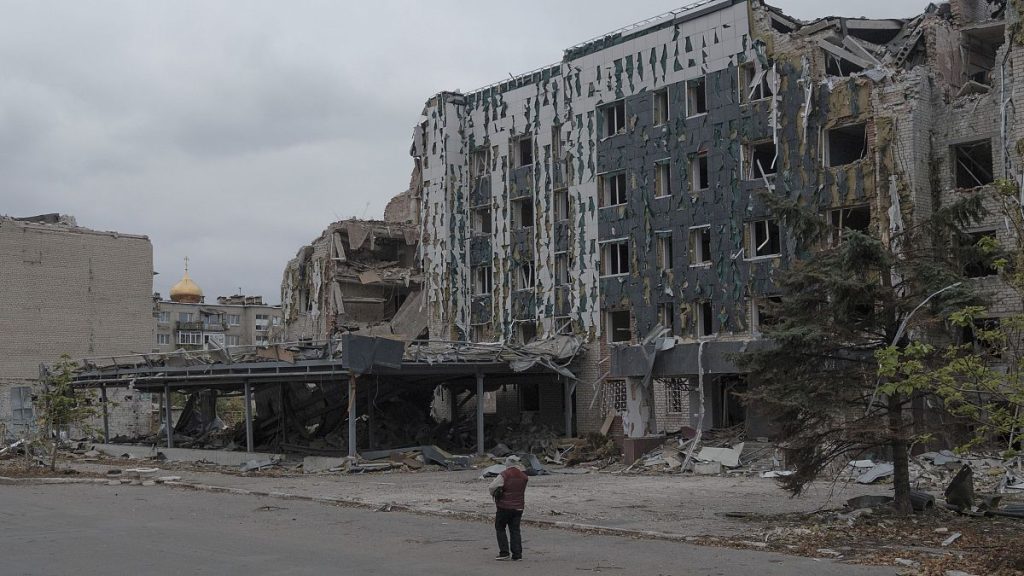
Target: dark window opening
561,269
561,202
700,246
612,189
766,311
664,247
765,241
973,164
836,66
983,337
705,319
760,160
527,278
662,180
522,213
981,47
619,329
480,164
847,144
667,316
482,220
525,151
696,97
699,172
529,397
615,258
753,85
854,218
661,107
977,249
614,118
483,280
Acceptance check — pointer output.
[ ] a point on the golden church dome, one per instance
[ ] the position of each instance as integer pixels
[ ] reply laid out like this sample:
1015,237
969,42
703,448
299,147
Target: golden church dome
186,290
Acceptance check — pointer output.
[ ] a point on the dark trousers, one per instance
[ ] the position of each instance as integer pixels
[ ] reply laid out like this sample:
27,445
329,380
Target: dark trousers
509,518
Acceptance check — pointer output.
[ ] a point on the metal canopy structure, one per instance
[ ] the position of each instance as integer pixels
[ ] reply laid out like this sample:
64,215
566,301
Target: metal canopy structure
418,364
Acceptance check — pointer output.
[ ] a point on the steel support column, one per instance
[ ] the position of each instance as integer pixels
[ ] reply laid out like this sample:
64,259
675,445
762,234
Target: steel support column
248,417
568,386
168,425
352,415
480,413
106,416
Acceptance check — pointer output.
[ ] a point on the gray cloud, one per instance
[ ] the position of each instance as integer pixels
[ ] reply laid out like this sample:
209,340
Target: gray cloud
234,132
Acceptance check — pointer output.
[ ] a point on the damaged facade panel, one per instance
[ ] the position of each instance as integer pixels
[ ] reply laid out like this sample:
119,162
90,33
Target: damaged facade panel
656,146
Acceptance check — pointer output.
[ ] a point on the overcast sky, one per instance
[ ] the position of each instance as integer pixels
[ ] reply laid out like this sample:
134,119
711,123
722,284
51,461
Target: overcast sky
234,132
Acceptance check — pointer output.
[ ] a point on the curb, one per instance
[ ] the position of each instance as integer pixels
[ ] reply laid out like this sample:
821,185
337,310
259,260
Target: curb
475,516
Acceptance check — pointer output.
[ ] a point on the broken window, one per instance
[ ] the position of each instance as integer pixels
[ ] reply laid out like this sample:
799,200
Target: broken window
700,245
973,164
185,317
699,172
163,339
524,151
612,189
561,205
978,251
522,213
846,144
562,325
163,317
230,340
615,258
765,312
676,391
615,396
853,218
661,107
662,179
529,395
561,269
753,86
482,220
664,247
190,338
234,319
262,322
696,96
614,116
619,329
836,65
760,160
980,47
667,316
480,163
527,278
483,280
764,239
705,319
526,331
984,336
21,405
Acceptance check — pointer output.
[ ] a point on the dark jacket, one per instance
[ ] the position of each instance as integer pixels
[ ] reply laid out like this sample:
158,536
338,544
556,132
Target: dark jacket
513,489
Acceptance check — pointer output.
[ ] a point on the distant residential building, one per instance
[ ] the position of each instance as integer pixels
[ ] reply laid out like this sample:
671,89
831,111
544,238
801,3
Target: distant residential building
186,321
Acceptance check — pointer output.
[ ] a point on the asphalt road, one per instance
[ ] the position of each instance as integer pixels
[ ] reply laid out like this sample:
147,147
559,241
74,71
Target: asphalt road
88,530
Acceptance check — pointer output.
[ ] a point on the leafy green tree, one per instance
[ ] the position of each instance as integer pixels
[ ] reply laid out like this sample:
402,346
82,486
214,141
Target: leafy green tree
845,296
63,406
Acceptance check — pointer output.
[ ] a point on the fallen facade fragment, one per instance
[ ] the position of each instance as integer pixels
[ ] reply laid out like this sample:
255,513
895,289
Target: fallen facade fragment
619,194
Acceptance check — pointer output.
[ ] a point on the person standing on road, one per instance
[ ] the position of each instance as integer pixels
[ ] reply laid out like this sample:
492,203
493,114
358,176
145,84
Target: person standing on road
509,492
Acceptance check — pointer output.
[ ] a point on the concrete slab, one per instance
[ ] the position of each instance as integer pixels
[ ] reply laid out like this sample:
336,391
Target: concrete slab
220,457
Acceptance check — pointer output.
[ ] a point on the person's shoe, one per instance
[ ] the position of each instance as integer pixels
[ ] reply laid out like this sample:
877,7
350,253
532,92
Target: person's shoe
503,557
517,558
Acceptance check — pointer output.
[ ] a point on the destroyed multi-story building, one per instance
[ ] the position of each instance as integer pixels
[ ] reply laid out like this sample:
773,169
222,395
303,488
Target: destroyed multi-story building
618,193
358,276
187,321
70,290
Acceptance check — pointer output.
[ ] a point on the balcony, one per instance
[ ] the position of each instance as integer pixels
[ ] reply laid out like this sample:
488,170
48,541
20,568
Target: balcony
198,326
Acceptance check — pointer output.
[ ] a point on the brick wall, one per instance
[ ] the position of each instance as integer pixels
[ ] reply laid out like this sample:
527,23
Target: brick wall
70,290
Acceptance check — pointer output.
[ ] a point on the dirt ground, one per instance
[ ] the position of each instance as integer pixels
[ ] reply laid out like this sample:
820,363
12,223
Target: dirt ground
733,511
